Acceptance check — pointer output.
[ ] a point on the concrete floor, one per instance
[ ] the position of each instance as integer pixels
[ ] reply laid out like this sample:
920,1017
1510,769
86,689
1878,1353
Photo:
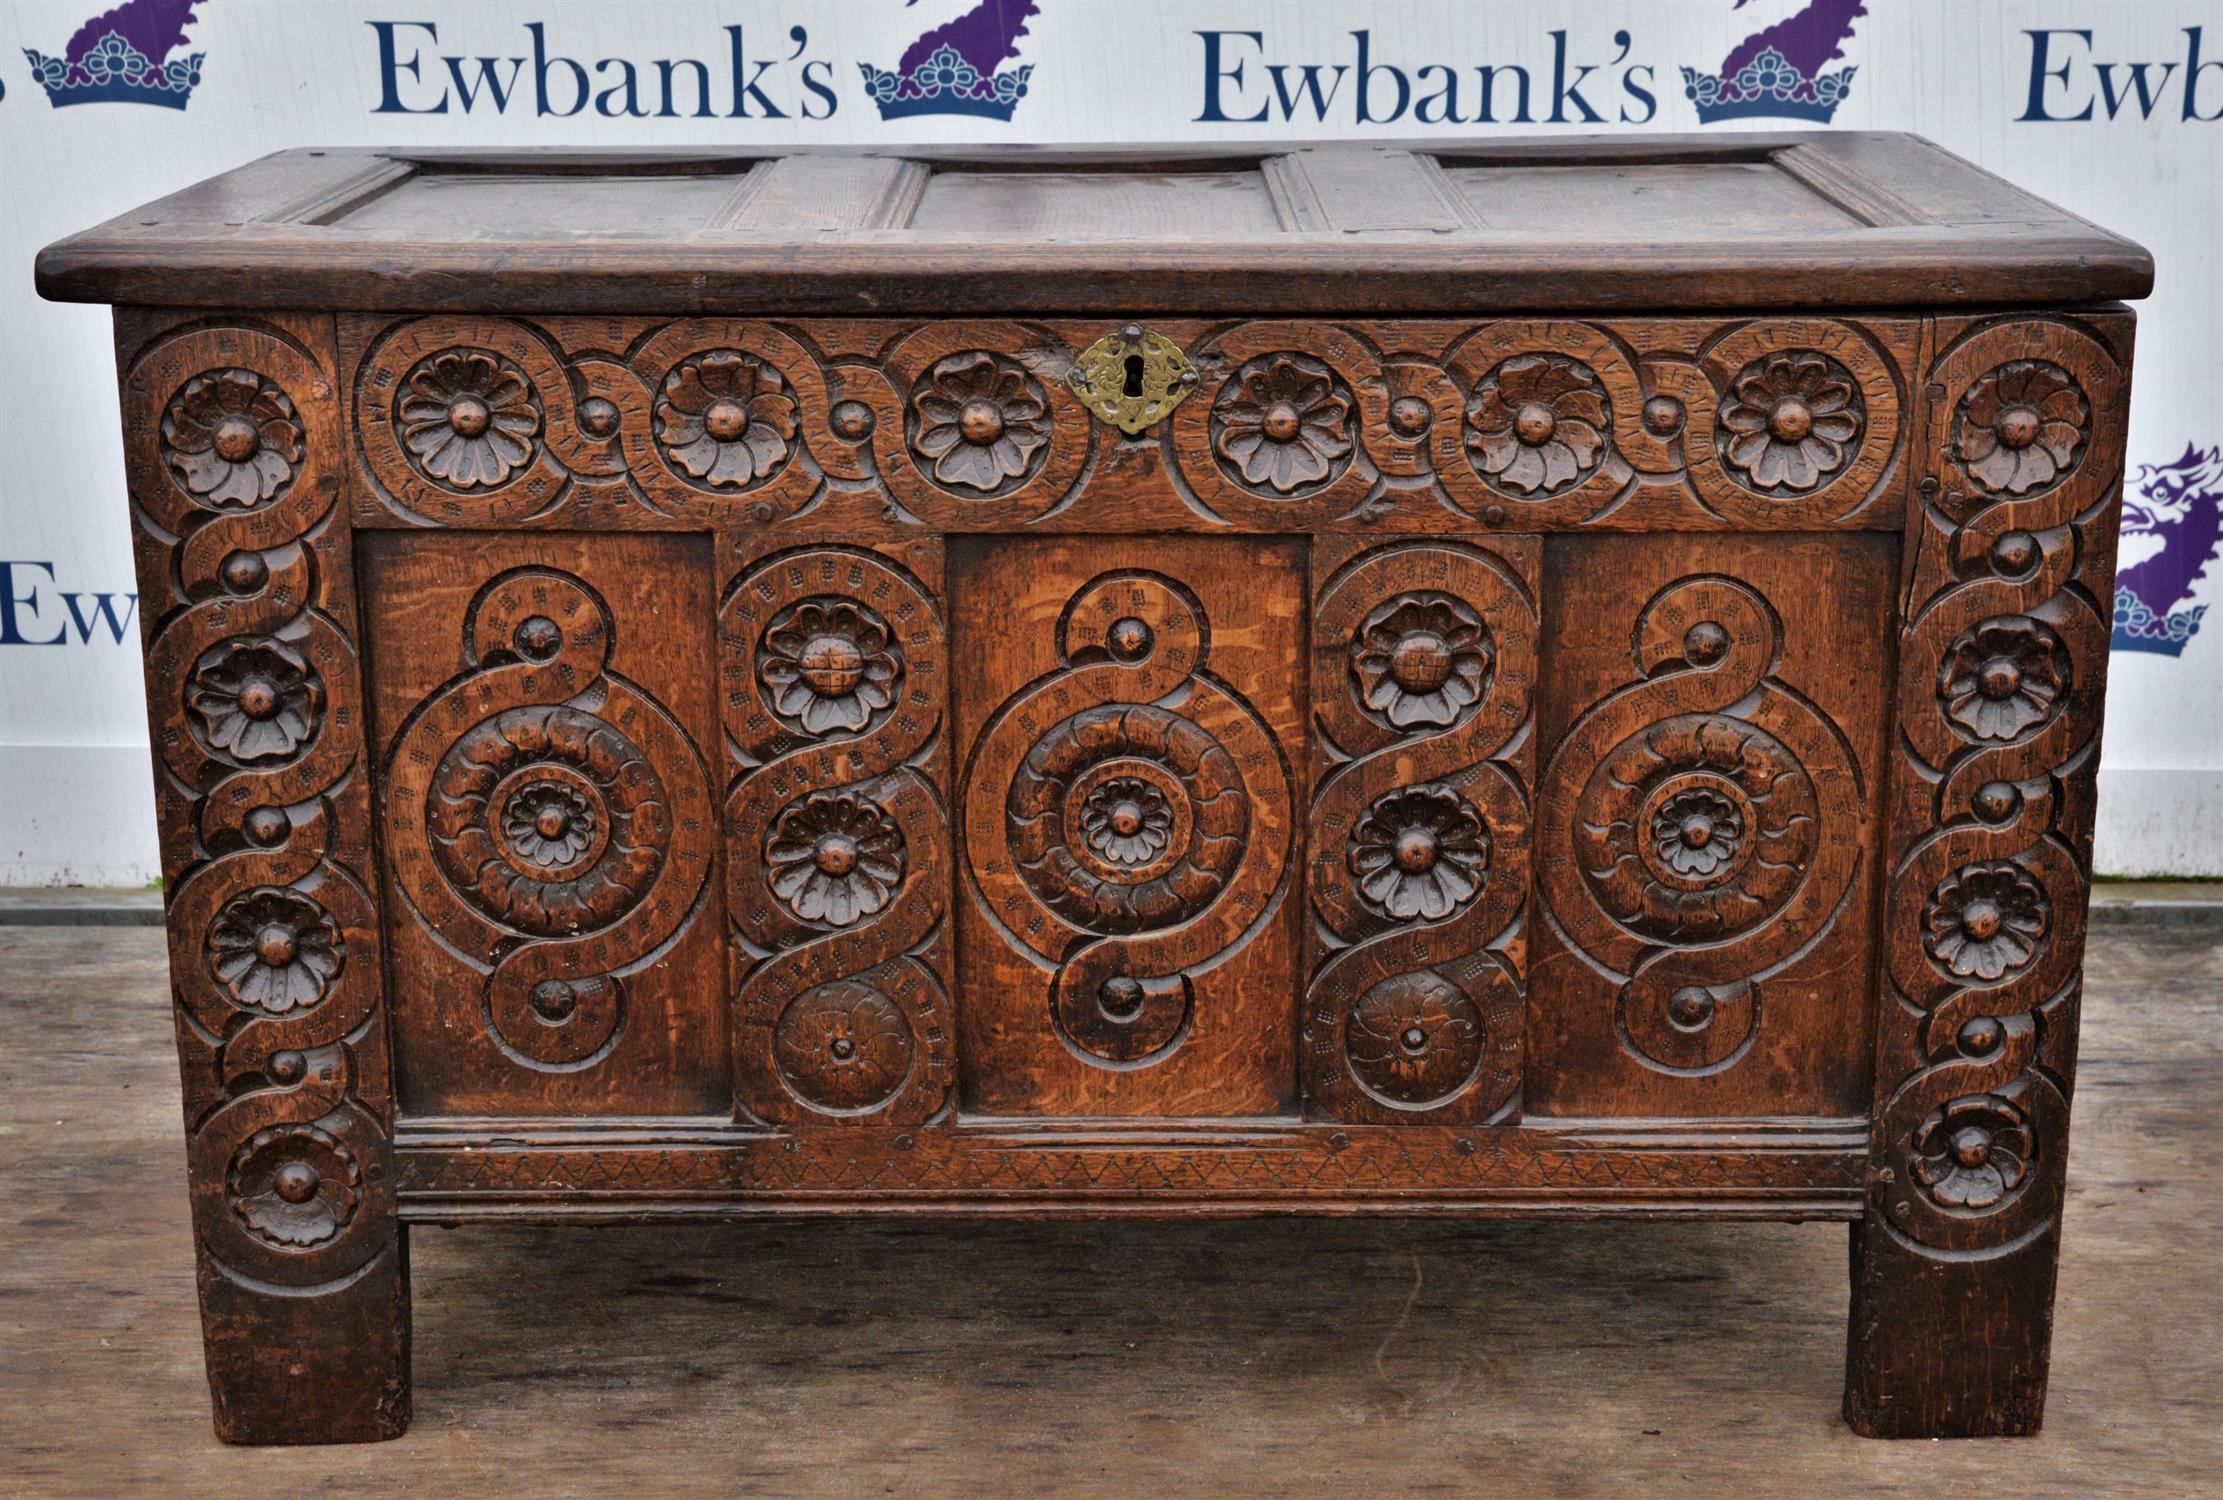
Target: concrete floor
1121,1359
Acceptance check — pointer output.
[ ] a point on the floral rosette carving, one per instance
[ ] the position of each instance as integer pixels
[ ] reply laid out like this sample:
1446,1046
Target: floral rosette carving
1790,422
1422,659
254,699
467,418
1539,424
232,438
829,665
2020,427
835,858
1973,1152
1420,854
726,418
844,1047
1283,422
275,950
1414,1041
294,1187
979,422
1985,922
2004,678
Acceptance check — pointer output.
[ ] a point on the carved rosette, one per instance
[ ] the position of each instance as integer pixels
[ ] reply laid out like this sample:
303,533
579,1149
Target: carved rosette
2003,660
1711,831
548,819
1423,660
1282,425
1122,841
232,440
837,840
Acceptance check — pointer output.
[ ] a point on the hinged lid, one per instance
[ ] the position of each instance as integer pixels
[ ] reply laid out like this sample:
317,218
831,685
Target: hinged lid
1662,222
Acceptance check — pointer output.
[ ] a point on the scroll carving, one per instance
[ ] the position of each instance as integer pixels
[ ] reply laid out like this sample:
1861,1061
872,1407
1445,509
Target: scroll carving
233,445
1126,818
976,425
835,665
2002,662
1424,658
1704,826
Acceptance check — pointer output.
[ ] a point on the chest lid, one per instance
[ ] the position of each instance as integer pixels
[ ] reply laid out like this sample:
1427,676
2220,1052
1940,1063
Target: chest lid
1664,222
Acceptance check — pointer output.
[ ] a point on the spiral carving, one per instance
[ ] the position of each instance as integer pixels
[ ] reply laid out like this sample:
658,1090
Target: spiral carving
1710,826
1116,837
550,820
1999,705
839,839
1419,835
233,452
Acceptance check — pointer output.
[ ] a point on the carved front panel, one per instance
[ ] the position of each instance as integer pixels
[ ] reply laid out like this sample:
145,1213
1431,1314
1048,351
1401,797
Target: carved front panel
871,426
541,706
1130,725
1424,657
1714,714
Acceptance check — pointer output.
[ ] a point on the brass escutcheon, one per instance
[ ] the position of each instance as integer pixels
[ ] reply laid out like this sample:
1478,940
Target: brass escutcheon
1132,378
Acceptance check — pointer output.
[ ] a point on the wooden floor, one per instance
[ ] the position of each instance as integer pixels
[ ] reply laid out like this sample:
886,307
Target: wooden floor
1291,1359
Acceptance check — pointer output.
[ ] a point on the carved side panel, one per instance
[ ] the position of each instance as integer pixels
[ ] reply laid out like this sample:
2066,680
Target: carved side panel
859,426
1706,816
1127,944
1424,657
550,830
2002,677
234,452
834,660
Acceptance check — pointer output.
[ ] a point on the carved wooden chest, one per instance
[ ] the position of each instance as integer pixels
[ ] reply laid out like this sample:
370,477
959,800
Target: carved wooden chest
1547,678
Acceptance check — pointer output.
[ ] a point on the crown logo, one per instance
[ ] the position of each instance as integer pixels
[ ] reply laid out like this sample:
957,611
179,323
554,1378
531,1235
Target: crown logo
1778,71
123,56
952,70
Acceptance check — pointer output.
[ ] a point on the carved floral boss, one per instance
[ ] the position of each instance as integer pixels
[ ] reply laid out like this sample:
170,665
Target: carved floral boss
1770,422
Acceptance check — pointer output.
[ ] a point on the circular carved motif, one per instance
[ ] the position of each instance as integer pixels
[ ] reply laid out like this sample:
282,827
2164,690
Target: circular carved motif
467,418
1067,781
726,418
254,698
548,820
2020,427
1422,658
980,422
1539,424
843,1047
1986,921
232,438
835,858
275,950
1972,1153
828,664
1697,827
1790,421
1283,422
2004,678
1420,852
294,1187
1414,1040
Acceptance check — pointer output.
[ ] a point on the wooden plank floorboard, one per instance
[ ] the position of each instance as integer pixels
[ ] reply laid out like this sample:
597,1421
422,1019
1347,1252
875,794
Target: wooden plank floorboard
1278,1358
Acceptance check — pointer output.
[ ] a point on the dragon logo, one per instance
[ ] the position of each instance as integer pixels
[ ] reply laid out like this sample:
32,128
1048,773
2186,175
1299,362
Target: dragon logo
2170,532
124,56
952,69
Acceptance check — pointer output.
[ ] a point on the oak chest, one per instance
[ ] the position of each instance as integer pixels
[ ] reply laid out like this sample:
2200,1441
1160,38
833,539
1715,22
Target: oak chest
1541,678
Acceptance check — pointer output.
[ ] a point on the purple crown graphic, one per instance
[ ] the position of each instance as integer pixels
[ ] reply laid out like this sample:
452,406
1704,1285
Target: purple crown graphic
952,69
124,57
1779,71
2172,531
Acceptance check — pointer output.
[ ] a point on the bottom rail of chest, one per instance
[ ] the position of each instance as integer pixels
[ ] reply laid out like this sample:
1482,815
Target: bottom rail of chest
454,1171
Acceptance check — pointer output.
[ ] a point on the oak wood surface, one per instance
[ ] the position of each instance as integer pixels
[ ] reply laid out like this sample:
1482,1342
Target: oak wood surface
1841,219
1292,1358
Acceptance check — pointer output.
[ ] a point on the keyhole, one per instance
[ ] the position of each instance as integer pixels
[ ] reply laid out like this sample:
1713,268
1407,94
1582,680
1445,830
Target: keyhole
1134,375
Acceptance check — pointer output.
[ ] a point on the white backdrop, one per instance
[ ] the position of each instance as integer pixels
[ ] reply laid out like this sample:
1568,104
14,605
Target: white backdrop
2111,107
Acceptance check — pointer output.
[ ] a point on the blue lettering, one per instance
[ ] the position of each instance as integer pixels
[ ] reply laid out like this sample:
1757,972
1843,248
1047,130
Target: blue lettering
11,623
1214,112
2041,43
390,69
